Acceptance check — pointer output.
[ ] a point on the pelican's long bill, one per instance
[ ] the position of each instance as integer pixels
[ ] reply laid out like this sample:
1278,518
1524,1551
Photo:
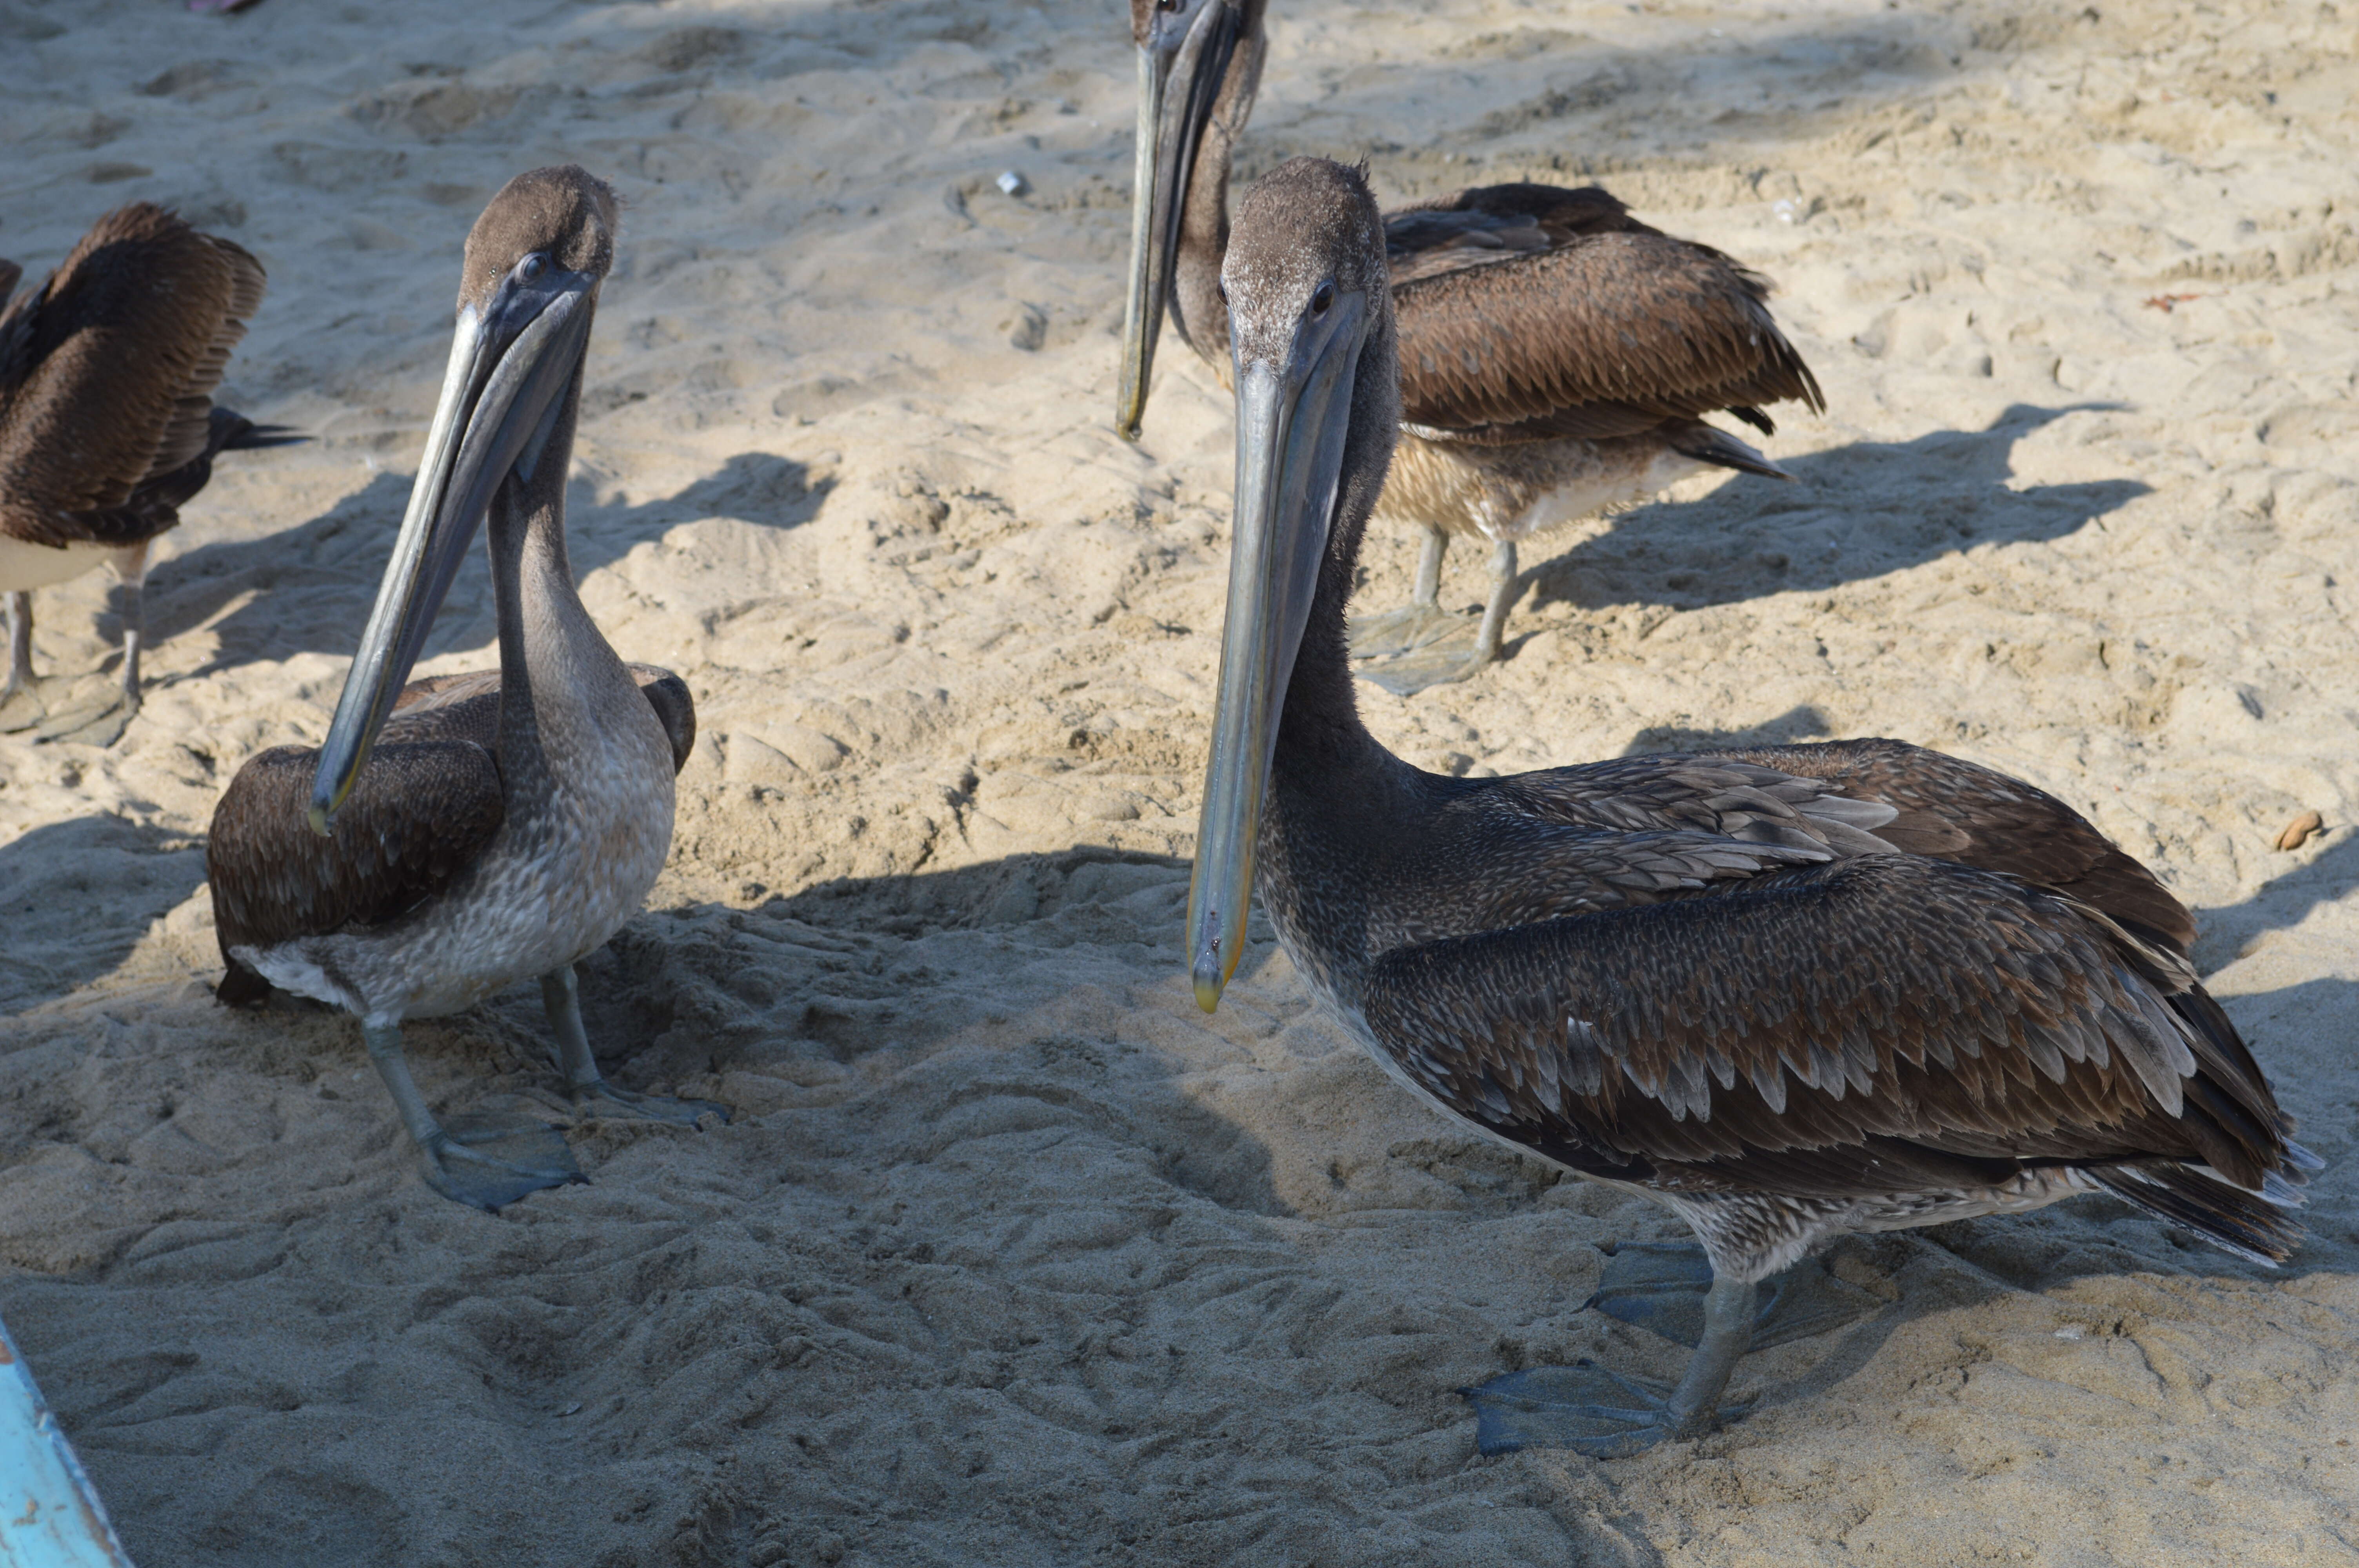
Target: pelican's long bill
1292,424
1180,65
510,364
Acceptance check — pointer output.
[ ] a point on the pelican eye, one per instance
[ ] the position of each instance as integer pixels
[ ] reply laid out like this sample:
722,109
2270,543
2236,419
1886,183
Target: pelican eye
1322,299
529,269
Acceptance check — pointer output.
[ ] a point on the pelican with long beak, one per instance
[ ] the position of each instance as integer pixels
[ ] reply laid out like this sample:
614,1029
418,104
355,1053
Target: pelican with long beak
1558,356
1788,992
456,835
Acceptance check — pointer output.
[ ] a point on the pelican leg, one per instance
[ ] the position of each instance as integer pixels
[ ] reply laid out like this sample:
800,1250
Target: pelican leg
1594,1410
130,596
1504,590
1428,592
103,725
593,1094
488,1161
19,683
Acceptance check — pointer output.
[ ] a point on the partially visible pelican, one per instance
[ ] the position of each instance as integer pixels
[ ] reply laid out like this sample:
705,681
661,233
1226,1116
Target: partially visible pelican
1558,356
1786,992
466,832
107,426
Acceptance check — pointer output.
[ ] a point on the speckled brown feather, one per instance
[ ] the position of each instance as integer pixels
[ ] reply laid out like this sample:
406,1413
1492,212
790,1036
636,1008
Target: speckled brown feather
428,800
1608,332
1977,817
107,374
1809,970
1950,1011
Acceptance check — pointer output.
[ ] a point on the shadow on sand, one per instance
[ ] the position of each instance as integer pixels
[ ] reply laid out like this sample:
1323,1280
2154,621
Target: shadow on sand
305,588
1859,511
96,884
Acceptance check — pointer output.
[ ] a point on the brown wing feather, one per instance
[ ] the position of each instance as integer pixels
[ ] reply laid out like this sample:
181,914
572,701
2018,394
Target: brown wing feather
1801,1028
1497,223
420,812
467,705
1610,332
427,802
120,352
1957,810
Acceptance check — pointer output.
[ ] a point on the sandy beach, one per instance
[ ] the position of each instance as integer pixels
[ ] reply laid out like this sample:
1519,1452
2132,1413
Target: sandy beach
1010,1255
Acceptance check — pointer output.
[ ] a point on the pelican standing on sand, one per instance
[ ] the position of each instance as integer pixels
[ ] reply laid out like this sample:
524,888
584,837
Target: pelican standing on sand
1787,992
1558,355
107,426
467,832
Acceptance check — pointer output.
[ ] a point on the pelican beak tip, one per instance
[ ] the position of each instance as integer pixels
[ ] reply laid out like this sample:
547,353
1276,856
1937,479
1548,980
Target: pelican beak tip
1209,984
322,820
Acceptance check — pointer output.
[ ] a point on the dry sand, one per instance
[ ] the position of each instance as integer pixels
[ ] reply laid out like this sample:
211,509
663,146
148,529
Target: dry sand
1011,1256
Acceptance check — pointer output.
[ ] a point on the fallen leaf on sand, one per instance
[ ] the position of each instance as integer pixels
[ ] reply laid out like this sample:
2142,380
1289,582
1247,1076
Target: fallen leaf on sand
2298,830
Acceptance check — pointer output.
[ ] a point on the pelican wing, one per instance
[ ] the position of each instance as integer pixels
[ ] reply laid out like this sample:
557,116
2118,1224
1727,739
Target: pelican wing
1499,222
1609,330
116,357
1871,1025
423,810
1957,810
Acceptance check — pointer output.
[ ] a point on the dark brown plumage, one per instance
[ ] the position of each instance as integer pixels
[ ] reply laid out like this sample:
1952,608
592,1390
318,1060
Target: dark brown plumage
107,426
107,373
426,803
1592,325
1788,992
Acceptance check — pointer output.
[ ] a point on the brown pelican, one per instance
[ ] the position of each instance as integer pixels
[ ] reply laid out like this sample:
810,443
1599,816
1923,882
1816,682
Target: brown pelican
107,426
1787,992
454,837
1558,355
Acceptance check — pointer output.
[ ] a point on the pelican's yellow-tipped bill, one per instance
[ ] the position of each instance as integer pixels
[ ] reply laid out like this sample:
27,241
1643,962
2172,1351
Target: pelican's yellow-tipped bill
1292,424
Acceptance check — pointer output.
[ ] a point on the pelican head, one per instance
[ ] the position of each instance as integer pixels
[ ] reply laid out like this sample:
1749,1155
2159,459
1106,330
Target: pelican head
1318,392
527,293
1186,48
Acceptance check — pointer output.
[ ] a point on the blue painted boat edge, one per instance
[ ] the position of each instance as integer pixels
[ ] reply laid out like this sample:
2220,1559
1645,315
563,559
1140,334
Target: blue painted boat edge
49,1513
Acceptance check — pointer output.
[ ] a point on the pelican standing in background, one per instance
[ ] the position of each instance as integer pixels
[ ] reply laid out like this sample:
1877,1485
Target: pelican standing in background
1787,992
1558,355
464,833
107,426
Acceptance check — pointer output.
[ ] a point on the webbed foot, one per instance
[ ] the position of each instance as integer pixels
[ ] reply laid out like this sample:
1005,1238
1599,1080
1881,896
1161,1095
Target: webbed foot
21,709
1592,1410
89,724
491,1161
1407,630
1584,1407
1661,1287
602,1098
1438,664
593,1096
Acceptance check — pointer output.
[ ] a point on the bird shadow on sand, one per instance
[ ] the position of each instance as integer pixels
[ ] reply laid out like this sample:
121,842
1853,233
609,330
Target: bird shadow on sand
2283,901
306,589
97,884
1858,512
1801,722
